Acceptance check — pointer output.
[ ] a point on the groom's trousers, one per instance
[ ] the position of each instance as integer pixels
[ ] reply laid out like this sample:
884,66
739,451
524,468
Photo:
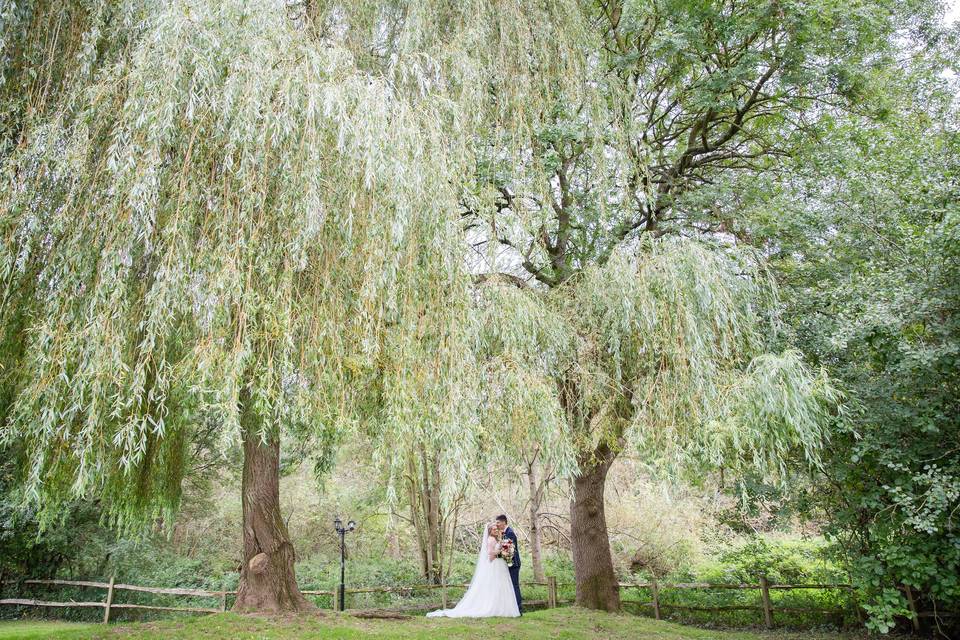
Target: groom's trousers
515,578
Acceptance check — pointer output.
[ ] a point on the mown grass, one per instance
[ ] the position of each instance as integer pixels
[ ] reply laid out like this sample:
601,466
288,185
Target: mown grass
32,630
562,624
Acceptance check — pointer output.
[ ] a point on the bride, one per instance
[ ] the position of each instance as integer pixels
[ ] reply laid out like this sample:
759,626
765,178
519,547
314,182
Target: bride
491,592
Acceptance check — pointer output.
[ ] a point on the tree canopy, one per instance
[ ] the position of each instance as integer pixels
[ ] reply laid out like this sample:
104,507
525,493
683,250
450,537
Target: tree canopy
229,194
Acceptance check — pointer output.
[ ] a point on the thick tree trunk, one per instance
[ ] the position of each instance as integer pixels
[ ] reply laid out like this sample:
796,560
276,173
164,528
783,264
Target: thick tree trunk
592,561
267,580
536,553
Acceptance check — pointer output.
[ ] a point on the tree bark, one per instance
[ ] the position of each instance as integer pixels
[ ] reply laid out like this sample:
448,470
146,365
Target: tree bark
431,495
423,490
393,538
590,543
536,553
268,583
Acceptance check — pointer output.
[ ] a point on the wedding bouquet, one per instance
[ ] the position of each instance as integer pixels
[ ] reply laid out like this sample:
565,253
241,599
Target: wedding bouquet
506,552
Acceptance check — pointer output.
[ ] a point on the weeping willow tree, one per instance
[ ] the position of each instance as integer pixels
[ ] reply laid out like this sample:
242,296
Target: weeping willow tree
661,350
235,211
684,94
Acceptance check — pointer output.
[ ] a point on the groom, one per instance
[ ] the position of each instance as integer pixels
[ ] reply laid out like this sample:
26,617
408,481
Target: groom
515,568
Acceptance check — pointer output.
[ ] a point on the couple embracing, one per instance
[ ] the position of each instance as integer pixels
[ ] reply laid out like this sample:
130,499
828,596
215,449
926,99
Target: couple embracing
495,588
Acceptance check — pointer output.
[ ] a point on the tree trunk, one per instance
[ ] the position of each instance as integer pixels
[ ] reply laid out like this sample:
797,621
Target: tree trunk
268,583
420,531
431,498
423,490
590,543
393,538
536,554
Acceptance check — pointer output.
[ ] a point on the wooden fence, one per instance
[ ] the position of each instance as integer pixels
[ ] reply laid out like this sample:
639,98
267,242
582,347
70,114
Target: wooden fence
763,586
108,604
766,605
111,587
655,603
551,601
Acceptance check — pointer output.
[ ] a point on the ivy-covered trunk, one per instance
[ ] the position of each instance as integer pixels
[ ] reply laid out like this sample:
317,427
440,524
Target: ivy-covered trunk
268,583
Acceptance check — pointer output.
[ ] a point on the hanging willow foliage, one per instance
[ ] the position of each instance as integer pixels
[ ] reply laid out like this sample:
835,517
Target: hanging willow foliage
242,194
665,346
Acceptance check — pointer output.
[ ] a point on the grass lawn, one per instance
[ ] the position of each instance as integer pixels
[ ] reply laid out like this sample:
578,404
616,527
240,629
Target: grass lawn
23,630
566,623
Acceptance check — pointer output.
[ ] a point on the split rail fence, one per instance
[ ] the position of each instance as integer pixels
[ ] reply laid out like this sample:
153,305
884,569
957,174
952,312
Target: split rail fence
108,605
112,587
763,586
655,589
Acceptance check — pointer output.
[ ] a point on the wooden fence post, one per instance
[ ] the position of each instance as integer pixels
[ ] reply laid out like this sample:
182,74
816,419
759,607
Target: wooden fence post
223,597
443,592
106,608
655,592
914,618
765,595
552,592
336,599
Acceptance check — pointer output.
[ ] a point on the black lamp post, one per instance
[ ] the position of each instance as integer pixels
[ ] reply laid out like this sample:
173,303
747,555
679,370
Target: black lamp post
338,525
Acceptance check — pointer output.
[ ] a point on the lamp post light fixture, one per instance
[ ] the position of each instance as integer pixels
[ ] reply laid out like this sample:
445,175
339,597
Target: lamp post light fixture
342,531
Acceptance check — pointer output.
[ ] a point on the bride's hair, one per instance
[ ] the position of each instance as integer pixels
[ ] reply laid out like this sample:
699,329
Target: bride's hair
490,529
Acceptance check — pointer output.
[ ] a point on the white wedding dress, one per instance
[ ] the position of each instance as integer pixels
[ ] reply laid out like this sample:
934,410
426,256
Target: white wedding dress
490,593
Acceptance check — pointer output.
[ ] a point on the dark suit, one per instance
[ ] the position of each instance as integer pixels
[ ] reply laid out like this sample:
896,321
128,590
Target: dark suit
515,568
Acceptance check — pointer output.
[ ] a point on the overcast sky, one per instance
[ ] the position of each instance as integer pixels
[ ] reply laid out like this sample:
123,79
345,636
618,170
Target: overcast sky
953,11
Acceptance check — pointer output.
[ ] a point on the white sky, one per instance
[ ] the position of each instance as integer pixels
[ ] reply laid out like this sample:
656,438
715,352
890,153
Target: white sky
953,11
